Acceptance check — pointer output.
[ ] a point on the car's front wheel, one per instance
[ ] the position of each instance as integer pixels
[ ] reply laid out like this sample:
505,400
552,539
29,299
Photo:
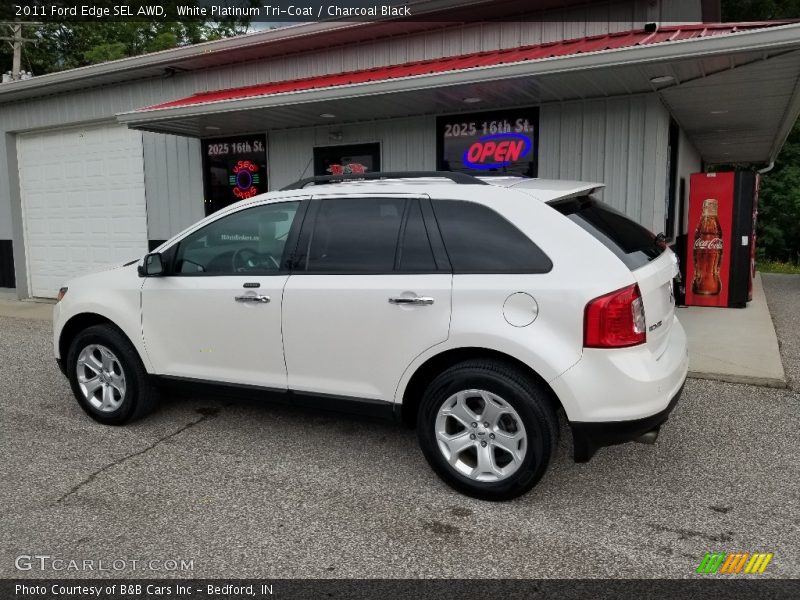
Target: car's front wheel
487,429
107,376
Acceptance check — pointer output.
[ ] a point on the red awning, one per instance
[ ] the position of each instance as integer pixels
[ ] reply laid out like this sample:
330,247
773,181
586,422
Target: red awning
599,43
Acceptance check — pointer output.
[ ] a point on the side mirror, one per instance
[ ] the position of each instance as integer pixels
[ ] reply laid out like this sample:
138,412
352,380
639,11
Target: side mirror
152,265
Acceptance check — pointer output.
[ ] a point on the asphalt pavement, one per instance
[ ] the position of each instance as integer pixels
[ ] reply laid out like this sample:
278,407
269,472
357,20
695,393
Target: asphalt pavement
243,488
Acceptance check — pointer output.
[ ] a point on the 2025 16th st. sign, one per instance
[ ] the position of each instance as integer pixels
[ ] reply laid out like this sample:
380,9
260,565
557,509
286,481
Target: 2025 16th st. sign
503,141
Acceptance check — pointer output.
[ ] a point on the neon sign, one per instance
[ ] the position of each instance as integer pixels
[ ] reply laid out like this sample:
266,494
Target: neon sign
497,150
244,179
352,168
505,141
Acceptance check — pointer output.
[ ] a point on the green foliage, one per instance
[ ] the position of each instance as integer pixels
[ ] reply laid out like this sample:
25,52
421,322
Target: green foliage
61,46
779,202
105,52
759,10
771,266
779,205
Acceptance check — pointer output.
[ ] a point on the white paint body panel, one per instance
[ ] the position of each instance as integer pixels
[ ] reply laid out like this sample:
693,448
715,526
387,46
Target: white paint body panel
343,337
624,383
193,327
113,294
83,202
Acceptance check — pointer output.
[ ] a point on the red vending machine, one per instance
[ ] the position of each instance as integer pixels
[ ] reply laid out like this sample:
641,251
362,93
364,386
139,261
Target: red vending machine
720,252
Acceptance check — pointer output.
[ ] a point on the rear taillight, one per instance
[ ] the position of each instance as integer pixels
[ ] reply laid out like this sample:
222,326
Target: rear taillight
615,320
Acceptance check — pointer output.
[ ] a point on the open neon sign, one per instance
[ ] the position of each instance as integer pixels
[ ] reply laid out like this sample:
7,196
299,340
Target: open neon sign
497,150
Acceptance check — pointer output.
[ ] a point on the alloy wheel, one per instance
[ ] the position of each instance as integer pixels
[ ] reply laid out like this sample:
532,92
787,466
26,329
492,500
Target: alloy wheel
480,435
101,378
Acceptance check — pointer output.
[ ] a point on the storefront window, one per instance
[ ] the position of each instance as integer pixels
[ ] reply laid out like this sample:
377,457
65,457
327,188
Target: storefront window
504,141
234,169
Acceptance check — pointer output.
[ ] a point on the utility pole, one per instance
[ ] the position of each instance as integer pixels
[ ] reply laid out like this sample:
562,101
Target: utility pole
16,41
16,66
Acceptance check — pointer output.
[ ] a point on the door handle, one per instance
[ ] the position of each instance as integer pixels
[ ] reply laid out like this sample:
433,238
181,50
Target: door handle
251,298
417,301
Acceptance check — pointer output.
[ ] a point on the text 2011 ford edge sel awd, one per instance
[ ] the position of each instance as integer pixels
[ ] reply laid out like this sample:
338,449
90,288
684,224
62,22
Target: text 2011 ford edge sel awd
474,308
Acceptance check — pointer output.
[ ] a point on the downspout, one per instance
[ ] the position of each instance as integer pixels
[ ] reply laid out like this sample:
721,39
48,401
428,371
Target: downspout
767,169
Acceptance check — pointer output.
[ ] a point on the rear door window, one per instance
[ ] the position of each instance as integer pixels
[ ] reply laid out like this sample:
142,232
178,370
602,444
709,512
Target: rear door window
480,240
355,235
633,244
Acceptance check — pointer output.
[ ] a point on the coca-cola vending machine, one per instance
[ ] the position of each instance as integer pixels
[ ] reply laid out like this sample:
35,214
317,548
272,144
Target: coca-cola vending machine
720,249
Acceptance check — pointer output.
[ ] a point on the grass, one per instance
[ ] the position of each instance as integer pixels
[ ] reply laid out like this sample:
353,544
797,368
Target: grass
772,266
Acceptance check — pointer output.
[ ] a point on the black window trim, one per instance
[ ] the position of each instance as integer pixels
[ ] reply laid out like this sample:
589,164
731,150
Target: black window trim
538,271
306,236
439,266
435,236
398,247
170,254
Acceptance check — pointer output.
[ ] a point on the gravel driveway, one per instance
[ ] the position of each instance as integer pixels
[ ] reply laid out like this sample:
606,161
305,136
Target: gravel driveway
248,489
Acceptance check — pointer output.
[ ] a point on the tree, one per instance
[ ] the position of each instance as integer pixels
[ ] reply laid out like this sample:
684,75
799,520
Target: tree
67,45
759,10
779,201
779,205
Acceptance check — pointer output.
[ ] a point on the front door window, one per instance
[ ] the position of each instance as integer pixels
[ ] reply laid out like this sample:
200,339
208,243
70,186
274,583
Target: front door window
250,241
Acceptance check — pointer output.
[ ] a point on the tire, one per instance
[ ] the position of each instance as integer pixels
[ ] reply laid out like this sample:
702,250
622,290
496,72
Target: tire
477,465
132,393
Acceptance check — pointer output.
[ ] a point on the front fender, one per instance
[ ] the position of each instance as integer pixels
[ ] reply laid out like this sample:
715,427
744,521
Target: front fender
114,295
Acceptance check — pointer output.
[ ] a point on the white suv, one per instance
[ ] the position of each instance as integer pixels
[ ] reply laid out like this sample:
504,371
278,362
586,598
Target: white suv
473,308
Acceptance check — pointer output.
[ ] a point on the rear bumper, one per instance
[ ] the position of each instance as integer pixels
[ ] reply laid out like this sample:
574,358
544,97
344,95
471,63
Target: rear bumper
616,396
589,437
624,384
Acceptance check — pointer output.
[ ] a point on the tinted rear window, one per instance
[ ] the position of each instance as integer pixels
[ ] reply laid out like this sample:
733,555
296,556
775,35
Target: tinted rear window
633,244
356,235
480,240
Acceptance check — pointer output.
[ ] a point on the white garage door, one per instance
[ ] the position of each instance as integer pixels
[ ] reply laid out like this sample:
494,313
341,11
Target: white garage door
83,203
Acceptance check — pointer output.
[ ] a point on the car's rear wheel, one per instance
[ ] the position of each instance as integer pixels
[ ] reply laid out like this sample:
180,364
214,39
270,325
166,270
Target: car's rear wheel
107,376
487,429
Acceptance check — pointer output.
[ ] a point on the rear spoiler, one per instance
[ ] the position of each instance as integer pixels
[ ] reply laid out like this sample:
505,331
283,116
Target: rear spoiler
577,189
585,191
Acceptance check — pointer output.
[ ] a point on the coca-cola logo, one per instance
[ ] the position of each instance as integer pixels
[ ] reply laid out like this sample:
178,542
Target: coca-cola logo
712,244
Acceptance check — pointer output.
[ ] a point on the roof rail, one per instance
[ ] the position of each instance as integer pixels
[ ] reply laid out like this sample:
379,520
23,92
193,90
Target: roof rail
460,178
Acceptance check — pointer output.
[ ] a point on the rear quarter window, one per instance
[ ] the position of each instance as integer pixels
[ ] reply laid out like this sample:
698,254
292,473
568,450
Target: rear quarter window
632,243
480,240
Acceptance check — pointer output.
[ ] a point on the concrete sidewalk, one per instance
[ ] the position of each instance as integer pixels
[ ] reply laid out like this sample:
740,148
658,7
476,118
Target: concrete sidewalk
10,306
736,344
